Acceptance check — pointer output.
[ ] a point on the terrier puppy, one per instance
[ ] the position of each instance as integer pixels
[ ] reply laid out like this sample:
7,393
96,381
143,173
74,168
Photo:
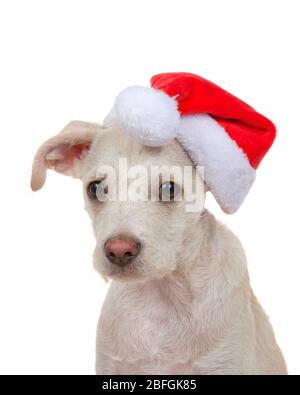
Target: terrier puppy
180,300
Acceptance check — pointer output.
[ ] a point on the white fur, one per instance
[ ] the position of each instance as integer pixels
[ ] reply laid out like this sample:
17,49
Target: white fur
149,115
227,170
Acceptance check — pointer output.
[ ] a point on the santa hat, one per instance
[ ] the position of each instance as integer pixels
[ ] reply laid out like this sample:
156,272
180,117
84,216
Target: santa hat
219,131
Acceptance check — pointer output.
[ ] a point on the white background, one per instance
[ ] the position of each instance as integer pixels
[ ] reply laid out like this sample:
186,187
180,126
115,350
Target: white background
64,60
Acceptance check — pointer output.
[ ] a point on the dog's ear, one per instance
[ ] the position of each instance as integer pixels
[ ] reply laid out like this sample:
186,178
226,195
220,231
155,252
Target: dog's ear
63,152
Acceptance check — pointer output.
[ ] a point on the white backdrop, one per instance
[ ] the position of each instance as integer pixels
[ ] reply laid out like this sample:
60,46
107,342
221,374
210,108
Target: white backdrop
64,60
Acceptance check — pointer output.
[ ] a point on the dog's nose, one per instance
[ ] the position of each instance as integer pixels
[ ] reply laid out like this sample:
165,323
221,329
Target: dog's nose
121,250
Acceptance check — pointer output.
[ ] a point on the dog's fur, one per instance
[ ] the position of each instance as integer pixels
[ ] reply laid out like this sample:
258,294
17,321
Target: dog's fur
185,305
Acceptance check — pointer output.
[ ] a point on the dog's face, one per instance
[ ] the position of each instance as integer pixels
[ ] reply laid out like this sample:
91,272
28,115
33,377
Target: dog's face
145,233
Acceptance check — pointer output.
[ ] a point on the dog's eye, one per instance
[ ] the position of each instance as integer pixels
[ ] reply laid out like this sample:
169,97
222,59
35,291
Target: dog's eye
168,190
97,190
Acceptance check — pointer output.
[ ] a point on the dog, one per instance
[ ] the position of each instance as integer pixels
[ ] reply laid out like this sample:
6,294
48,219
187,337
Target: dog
180,300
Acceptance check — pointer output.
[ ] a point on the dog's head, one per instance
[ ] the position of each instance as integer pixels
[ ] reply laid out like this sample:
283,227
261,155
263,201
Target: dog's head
144,202
137,186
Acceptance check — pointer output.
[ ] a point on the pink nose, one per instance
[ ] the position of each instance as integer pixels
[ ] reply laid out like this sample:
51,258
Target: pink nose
121,250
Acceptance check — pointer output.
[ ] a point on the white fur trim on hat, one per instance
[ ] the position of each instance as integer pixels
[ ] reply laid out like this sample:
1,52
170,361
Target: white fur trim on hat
227,171
152,117
148,114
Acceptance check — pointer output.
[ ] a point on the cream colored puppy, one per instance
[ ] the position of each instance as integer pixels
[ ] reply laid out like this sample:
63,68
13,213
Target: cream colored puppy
180,300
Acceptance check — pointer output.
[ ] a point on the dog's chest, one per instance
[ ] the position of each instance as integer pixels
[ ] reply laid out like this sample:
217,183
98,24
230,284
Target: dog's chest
147,334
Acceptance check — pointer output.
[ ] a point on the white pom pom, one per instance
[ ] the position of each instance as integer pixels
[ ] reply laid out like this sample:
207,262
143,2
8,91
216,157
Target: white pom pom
149,115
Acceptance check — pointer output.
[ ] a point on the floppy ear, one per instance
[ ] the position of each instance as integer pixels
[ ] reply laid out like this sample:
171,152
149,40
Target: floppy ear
62,152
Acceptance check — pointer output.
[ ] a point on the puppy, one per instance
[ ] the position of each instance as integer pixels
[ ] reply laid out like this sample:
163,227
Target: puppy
180,300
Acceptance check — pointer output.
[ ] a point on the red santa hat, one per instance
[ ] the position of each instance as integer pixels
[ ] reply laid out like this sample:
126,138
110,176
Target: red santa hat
219,131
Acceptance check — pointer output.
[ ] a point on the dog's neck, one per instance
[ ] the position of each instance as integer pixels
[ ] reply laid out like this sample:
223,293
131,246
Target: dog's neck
199,266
